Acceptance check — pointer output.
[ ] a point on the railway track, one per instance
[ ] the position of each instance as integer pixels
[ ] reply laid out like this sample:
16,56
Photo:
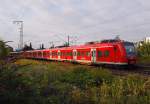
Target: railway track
121,71
138,69
144,69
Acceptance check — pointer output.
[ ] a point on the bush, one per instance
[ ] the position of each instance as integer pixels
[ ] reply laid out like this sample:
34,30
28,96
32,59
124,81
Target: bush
79,77
144,50
58,93
3,50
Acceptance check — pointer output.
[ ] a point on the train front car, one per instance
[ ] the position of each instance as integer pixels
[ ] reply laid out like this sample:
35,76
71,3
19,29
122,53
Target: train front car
131,55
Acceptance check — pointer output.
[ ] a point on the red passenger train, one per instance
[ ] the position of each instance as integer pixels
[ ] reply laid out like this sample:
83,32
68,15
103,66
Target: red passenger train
106,52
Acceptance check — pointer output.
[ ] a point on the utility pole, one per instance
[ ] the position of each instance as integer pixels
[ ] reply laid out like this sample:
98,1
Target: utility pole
21,33
68,40
51,44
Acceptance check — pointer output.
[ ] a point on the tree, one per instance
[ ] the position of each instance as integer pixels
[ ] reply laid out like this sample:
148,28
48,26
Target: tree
66,44
144,49
4,51
42,46
26,47
31,45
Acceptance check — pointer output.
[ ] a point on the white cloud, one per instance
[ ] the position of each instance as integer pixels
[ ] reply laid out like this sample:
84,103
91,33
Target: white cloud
88,19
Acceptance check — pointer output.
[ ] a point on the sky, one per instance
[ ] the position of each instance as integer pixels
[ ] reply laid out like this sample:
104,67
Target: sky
47,21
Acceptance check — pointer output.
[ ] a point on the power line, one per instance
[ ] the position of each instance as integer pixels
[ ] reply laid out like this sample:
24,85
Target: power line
60,38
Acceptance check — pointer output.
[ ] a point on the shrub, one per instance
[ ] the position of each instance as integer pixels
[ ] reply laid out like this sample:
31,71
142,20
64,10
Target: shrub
80,77
58,93
46,83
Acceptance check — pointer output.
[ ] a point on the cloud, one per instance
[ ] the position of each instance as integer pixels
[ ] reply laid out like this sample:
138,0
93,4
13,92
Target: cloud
53,20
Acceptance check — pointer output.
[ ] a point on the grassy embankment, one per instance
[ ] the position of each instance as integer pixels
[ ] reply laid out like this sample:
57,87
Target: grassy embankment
63,83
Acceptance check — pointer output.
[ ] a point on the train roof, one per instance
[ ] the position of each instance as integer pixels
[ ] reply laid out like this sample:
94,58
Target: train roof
97,44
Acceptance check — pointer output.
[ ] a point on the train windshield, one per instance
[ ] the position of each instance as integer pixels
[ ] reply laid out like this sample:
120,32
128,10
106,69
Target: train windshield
130,49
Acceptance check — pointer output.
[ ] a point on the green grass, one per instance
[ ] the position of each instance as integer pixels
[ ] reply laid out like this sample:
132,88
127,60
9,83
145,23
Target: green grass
42,82
144,60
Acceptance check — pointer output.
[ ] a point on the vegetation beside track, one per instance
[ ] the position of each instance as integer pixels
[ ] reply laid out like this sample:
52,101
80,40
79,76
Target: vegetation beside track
144,60
36,82
144,53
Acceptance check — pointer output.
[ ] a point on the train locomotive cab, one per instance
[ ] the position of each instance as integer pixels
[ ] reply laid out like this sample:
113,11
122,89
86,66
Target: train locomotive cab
130,51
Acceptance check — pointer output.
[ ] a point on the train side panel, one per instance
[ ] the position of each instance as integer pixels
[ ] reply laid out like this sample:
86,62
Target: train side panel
84,55
66,54
105,55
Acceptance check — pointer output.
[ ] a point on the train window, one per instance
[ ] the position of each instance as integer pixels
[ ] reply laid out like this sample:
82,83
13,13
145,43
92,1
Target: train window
58,54
78,53
99,53
87,53
70,53
106,53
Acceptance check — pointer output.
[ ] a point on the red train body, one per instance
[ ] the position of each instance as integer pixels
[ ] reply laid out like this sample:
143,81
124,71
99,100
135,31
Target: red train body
106,52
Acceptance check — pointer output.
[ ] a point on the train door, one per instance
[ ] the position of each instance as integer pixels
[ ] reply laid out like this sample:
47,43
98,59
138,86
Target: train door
74,55
93,55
